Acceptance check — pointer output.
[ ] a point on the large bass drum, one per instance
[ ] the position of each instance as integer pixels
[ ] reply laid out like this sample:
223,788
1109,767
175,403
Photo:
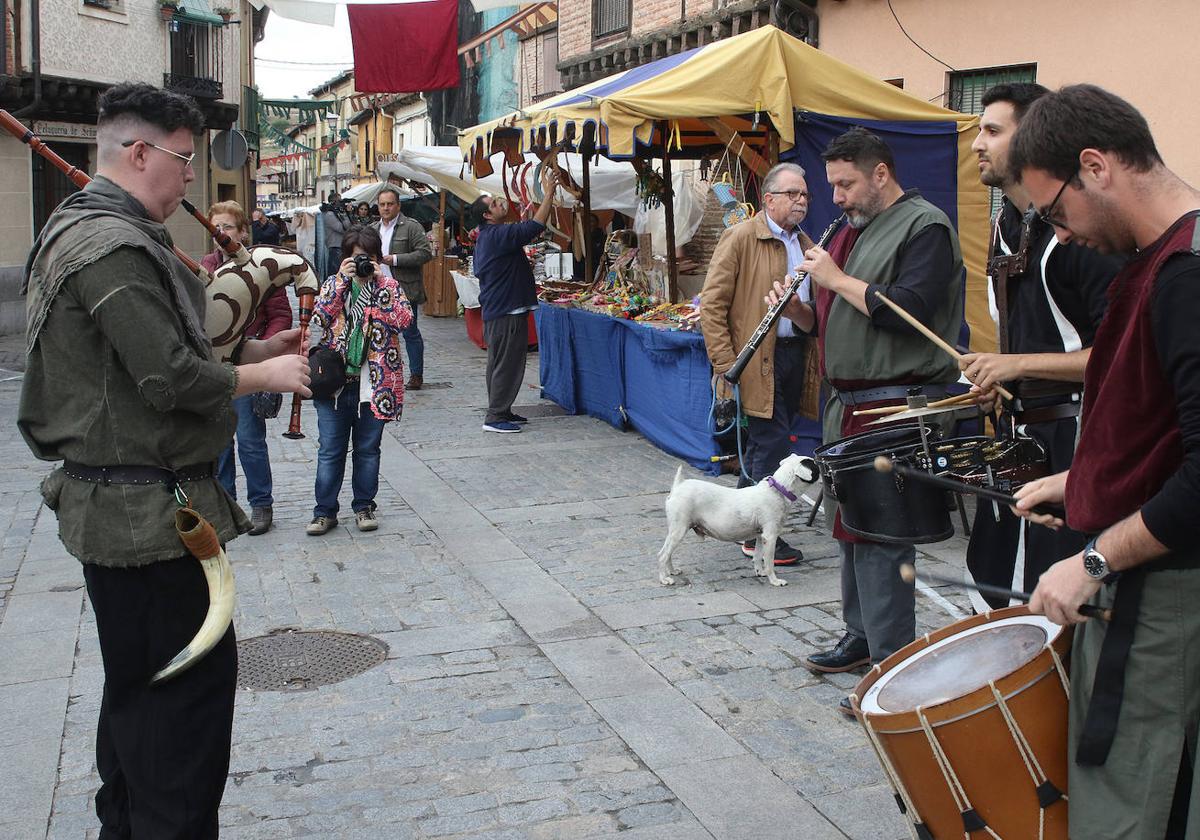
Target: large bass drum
970,726
884,507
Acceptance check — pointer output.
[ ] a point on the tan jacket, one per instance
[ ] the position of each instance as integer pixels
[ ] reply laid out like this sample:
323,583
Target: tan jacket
747,260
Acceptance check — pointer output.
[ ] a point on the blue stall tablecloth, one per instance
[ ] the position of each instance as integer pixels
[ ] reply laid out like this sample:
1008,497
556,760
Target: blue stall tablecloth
629,374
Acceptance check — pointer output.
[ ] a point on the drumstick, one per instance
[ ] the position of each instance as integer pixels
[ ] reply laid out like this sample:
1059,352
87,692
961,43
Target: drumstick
886,464
908,574
932,336
896,409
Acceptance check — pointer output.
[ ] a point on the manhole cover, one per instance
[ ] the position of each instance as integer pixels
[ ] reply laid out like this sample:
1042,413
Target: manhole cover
292,661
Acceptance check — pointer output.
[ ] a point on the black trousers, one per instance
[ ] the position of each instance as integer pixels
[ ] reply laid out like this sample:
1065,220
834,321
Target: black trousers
507,340
769,439
162,751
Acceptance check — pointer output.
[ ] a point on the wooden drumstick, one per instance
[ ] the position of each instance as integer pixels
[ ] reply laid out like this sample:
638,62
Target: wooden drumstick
932,336
896,409
908,574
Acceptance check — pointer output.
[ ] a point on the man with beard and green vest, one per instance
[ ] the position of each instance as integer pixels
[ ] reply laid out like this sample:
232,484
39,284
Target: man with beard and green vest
121,386
898,243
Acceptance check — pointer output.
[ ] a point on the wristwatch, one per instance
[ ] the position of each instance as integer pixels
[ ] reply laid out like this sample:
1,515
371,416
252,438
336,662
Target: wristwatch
1093,561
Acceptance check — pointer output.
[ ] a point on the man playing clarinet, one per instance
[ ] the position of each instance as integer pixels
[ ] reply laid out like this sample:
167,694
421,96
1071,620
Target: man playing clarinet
898,243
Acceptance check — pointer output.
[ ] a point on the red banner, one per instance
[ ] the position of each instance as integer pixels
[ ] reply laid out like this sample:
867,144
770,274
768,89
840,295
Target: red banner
405,47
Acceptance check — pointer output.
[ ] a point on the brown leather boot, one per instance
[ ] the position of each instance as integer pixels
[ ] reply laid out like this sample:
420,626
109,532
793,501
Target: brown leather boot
414,383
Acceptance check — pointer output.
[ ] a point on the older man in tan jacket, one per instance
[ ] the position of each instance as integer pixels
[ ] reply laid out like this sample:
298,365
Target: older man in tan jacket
749,257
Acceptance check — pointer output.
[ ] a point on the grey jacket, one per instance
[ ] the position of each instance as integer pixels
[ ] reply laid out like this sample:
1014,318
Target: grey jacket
411,248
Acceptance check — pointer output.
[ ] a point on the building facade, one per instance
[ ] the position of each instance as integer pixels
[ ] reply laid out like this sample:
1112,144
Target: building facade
1143,53
61,55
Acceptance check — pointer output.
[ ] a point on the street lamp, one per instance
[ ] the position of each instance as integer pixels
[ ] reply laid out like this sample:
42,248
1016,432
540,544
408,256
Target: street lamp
332,119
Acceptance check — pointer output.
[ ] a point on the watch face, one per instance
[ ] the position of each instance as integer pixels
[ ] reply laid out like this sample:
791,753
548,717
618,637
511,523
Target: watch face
1094,564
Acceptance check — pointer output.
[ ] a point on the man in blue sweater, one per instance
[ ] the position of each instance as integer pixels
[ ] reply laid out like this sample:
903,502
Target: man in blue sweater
507,296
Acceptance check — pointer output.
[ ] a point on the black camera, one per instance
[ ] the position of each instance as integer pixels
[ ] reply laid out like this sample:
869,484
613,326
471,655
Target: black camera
363,266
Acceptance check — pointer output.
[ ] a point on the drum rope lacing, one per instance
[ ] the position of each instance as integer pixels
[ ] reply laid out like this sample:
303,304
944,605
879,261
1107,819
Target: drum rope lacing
1062,672
1047,792
971,820
906,805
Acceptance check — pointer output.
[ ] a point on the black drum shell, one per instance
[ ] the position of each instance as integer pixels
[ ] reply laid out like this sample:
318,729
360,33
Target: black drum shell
884,507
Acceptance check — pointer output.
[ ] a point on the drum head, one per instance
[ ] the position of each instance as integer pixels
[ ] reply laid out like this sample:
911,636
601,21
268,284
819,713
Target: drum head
960,664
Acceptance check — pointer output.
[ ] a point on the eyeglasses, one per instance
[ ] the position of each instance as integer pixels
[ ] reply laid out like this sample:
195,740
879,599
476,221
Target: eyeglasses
187,159
793,195
1047,215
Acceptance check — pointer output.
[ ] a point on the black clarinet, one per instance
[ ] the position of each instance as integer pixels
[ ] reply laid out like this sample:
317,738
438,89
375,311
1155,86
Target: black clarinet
768,323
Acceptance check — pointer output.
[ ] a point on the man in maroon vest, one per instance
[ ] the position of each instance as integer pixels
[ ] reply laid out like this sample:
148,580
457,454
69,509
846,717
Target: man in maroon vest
1091,168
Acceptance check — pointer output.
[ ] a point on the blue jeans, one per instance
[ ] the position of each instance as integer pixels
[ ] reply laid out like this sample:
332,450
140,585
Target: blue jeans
338,421
415,345
251,441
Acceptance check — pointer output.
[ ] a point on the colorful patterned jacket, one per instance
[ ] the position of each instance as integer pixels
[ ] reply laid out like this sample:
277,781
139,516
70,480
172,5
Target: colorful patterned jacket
386,316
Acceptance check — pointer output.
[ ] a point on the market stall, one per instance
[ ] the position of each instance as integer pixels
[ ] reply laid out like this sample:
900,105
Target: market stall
759,98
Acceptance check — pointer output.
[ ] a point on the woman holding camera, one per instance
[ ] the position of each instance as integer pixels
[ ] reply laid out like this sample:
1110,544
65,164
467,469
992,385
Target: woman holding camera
361,314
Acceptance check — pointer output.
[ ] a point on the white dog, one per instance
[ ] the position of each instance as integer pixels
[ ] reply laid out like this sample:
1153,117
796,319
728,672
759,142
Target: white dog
726,513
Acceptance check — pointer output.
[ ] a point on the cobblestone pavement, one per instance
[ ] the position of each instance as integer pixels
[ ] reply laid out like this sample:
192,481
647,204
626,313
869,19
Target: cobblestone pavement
539,684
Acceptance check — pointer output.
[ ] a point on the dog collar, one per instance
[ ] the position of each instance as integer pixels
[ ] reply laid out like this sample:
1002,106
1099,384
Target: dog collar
780,489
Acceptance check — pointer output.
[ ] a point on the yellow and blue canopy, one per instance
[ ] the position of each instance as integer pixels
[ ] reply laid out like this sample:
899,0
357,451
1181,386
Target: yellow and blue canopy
762,80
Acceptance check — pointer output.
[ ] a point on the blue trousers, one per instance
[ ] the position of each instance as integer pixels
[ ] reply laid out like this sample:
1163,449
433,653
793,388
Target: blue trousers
251,442
339,422
414,344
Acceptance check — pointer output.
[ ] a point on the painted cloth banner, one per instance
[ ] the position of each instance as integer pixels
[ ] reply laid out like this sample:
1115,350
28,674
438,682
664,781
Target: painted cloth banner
406,47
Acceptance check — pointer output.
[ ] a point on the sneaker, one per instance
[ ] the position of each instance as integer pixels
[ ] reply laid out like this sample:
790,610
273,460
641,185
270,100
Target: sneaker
515,418
260,520
320,525
785,554
504,427
366,520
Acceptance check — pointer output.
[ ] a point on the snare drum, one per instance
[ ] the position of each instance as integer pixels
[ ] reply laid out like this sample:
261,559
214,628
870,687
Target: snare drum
970,726
884,507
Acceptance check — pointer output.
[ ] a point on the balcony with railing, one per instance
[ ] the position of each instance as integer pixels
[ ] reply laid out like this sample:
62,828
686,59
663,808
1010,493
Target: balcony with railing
196,60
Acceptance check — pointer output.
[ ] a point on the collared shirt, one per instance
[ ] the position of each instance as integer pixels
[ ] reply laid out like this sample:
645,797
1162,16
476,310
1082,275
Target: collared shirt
386,229
795,256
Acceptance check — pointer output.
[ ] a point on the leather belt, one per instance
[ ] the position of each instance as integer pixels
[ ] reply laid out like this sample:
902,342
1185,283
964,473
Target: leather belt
123,474
1047,413
888,392
789,340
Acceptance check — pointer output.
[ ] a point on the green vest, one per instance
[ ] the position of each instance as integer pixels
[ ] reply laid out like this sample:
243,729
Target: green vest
856,349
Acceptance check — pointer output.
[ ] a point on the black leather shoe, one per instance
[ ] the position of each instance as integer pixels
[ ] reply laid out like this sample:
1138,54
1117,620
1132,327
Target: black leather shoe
850,653
260,520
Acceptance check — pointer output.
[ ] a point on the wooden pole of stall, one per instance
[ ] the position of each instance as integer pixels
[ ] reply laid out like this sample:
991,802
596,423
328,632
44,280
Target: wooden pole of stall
441,237
669,212
589,259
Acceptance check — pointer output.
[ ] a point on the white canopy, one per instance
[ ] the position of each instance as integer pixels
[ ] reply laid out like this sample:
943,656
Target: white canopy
370,192
613,183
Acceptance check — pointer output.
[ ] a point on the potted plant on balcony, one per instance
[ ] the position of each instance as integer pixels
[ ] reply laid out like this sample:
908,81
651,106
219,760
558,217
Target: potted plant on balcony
224,11
168,8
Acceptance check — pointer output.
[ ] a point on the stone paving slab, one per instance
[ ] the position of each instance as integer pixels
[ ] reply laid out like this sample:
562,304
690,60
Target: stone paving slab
665,728
738,798
602,667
